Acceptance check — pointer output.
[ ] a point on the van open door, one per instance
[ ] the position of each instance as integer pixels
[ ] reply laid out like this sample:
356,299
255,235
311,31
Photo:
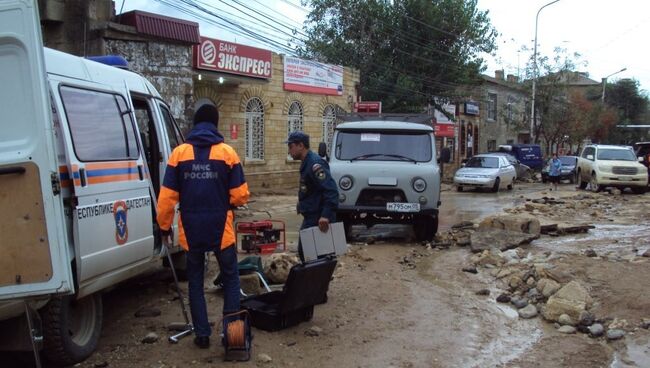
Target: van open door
34,256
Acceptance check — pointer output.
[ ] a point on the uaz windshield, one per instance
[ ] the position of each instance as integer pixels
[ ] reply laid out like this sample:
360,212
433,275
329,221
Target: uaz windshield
384,146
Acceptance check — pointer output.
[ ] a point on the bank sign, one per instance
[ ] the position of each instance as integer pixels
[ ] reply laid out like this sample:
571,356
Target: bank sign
233,58
308,76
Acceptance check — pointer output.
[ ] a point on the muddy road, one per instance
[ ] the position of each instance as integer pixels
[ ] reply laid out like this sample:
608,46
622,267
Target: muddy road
397,303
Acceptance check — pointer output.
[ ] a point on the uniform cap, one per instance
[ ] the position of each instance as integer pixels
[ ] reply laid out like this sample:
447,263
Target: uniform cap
298,137
207,114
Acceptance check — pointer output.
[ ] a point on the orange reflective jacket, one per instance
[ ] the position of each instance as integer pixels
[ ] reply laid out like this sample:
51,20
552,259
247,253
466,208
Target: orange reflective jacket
205,176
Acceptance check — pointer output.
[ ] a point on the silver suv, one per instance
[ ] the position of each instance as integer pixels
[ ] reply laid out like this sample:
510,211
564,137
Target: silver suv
387,172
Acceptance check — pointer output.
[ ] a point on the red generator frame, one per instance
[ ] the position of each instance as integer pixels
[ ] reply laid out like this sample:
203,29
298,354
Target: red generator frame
260,236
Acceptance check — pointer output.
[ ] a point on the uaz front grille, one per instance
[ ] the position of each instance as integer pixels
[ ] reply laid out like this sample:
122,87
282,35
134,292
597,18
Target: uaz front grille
619,170
379,197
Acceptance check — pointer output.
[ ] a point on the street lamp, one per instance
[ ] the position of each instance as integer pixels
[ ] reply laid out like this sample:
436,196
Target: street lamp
602,97
532,105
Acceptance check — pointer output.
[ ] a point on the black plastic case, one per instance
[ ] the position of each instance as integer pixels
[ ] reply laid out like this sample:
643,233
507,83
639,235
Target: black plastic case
306,286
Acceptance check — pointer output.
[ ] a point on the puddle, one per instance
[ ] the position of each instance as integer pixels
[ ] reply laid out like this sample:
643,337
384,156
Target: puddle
628,237
637,354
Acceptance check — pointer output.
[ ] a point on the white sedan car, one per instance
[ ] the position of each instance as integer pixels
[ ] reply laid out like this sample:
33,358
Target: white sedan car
485,171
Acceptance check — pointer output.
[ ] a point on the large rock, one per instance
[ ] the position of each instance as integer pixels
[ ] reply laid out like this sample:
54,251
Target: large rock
572,299
548,287
278,265
250,284
500,239
522,224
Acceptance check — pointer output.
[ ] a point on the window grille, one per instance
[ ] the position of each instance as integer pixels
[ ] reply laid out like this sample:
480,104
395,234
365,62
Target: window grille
255,129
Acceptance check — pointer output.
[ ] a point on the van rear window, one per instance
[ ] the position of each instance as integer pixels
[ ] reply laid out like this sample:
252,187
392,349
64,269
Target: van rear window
384,146
100,125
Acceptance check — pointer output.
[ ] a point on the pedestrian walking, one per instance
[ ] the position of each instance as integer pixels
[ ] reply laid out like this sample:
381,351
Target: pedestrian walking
554,171
317,194
205,176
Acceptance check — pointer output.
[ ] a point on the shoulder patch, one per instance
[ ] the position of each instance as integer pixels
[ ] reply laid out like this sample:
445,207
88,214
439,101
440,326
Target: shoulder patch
316,167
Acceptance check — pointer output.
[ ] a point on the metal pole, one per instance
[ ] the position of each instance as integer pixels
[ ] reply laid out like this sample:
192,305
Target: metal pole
532,105
602,97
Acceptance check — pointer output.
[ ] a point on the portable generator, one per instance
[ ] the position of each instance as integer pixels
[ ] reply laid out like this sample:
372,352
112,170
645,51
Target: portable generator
260,236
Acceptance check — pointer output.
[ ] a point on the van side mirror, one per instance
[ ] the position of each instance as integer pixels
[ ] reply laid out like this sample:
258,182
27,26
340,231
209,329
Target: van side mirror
445,155
590,157
322,150
640,159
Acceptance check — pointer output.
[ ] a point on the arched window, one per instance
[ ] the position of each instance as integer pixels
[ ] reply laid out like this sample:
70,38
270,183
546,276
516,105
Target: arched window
254,129
329,123
294,121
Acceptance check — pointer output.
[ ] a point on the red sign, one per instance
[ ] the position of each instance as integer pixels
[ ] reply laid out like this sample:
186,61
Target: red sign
222,56
233,131
368,106
444,130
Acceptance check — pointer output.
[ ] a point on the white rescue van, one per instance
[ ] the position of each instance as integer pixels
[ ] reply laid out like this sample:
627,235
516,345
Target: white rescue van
83,150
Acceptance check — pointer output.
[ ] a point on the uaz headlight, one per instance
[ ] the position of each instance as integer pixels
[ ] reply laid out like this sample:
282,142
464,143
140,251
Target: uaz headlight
345,182
419,185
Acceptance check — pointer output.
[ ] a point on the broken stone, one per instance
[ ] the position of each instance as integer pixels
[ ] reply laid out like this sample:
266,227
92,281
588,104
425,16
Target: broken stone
519,302
567,329
590,253
565,320
150,338
503,298
596,330
528,312
572,299
615,334
278,265
463,225
313,331
470,269
264,358
586,318
500,239
523,224
549,287
483,292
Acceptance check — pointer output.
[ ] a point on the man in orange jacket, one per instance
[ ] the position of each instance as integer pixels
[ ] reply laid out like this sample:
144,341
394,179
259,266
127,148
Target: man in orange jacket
205,175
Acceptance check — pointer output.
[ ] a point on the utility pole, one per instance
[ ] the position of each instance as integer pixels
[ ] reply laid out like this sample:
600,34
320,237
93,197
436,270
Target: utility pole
602,97
532,105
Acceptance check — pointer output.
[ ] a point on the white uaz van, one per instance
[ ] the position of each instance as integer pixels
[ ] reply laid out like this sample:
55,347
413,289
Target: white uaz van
387,172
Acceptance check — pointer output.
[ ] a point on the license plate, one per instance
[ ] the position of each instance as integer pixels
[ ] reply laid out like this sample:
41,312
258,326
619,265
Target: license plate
402,207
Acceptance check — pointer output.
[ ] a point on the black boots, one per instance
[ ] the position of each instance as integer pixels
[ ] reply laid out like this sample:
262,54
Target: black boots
202,342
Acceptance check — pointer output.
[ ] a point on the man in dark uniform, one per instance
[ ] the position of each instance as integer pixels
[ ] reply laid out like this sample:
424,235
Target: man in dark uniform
318,195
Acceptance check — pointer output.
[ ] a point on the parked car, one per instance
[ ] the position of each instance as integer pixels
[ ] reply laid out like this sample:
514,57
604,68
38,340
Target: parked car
603,166
523,171
642,150
486,171
567,172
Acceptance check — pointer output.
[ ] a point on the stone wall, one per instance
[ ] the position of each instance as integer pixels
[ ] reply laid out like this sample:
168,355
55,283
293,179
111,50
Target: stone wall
167,66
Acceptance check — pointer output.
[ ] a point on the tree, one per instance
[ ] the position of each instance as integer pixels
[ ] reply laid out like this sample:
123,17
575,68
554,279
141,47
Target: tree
631,107
408,51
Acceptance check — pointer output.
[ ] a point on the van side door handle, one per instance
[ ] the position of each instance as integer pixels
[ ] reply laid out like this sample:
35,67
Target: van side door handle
12,170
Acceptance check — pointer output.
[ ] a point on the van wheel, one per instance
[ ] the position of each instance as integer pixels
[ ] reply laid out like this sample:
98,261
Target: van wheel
511,185
425,227
71,328
495,187
639,190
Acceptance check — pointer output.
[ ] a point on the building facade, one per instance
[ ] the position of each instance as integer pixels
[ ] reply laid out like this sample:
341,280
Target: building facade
503,112
257,111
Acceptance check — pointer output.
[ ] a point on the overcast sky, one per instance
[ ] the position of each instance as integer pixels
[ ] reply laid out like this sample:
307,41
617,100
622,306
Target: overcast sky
610,35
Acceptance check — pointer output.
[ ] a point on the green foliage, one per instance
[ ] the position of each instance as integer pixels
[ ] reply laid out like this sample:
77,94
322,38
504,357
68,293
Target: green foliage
632,107
407,51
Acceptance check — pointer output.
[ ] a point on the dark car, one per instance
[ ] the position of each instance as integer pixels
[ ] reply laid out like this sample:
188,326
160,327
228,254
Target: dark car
523,171
642,150
567,171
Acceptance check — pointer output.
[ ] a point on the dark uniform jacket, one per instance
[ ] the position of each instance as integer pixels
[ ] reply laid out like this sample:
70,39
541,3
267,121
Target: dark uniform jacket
205,176
318,195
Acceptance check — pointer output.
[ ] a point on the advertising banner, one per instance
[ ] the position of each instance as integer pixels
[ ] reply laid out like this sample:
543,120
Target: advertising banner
368,106
233,58
312,77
